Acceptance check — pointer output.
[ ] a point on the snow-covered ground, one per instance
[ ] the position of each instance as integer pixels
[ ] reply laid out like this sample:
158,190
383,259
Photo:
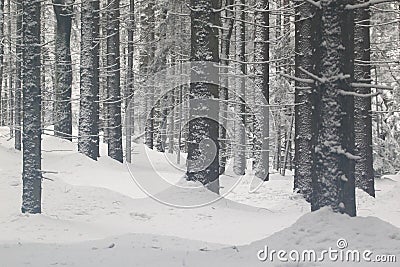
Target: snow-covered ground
94,214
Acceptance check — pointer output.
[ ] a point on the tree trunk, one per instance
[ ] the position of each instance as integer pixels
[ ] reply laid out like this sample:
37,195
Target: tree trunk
239,165
334,183
306,48
364,171
18,77
2,112
88,112
63,69
114,91
31,174
129,112
262,80
204,47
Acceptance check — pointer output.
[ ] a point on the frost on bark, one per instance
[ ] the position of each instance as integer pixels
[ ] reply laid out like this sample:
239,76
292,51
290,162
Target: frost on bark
18,76
334,173
204,47
63,69
262,82
114,88
129,112
88,111
2,111
305,46
31,174
147,53
362,105
239,165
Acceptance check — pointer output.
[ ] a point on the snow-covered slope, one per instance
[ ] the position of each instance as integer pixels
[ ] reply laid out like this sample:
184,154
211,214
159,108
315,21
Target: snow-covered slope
95,215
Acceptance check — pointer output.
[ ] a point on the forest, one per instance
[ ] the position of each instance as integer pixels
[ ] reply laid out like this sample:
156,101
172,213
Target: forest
199,132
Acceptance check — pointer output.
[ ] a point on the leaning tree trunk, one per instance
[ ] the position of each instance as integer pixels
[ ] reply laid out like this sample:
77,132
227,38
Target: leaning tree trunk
305,47
31,174
18,77
204,47
88,112
362,114
334,184
63,69
262,81
114,89
239,165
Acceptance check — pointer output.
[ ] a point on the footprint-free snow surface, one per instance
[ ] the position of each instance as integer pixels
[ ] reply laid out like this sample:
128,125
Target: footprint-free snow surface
95,214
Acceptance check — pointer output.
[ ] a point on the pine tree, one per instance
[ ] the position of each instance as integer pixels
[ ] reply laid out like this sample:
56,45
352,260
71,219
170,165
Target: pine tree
362,116
334,183
31,174
88,112
114,89
18,77
63,72
204,47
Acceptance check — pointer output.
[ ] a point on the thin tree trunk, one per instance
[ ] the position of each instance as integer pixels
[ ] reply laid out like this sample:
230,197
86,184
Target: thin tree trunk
362,116
2,112
262,79
114,90
31,174
129,112
18,77
239,166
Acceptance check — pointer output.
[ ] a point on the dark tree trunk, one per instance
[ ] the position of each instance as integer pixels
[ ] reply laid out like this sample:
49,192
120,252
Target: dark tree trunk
204,47
2,111
334,183
114,89
239,165
88,112
262,79
63,69
305,46
362,105
129,112
96,68
31,174
18,77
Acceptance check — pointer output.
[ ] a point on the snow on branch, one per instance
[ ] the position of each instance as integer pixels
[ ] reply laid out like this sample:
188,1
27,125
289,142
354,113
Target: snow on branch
314,3
369,85
342,92
297,79
366,4
313,76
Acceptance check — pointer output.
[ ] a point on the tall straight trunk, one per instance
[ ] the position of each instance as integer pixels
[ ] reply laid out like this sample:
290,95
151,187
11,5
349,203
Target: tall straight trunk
129,112
2,112
204,47
10,73
31,165
63,69
362,105
114,89
334,183
224,93
148,32
262,80
306,28
18,77
96,68
88,111
239,165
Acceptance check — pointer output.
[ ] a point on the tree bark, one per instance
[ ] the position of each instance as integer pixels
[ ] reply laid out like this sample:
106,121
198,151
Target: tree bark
31,174
204,47
63,69
364,171
18,77
334,183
